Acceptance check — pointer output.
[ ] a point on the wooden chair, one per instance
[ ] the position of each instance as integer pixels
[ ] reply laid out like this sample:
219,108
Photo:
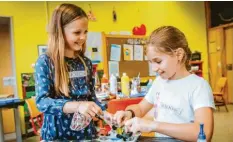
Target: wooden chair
36,117
219,93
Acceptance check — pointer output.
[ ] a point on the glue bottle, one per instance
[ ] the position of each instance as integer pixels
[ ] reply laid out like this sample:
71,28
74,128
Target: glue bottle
125,84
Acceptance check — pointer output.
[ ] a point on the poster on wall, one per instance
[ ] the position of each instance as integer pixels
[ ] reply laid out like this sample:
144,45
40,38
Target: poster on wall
113,67
138,52
115,54
42,49
94,46
28,79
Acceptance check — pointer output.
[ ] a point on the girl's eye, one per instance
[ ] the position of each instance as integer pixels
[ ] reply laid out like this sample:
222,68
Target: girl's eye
77,33
158,62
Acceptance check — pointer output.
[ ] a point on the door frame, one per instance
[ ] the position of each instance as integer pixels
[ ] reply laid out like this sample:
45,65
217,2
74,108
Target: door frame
13,61
14,81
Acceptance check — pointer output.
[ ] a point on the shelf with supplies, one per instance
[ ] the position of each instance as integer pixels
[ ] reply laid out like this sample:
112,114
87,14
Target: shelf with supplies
115,48
196,67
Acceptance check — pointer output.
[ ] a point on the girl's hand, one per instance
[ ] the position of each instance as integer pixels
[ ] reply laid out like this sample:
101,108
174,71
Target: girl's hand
121,116
108,117
89,109
140,125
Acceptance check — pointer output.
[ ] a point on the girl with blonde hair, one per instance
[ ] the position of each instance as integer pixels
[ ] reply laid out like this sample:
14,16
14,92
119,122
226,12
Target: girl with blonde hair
64,77
181,100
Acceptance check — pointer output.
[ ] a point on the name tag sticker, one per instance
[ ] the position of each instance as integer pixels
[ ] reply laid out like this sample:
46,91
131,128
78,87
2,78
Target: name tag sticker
75,74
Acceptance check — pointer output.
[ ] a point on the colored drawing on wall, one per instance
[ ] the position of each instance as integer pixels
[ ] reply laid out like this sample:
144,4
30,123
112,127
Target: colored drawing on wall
28,79
128,52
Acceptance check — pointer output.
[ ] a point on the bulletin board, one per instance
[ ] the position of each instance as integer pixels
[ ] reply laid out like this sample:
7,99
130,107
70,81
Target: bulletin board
133,67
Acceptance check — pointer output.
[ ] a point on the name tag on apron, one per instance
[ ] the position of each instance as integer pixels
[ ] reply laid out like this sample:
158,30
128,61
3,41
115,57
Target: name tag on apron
75,74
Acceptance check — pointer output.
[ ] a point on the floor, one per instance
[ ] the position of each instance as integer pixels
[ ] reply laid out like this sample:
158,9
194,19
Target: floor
223,123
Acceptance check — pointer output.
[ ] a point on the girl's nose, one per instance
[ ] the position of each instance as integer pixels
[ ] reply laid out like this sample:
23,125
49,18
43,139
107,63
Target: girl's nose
83,36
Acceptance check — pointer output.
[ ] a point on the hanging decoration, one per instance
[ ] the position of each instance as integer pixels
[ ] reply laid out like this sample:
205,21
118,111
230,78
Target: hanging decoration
91,15
139,30
114,15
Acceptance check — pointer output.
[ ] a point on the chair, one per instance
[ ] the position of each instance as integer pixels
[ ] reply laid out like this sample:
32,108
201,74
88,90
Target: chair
36,117
219,93
121,104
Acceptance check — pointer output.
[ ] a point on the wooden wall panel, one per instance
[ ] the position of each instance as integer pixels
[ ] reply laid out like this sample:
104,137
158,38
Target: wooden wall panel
229,61
215,56
6,70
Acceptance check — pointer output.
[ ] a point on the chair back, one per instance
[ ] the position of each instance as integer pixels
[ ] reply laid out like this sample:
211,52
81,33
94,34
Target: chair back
220,86
120,104
33,110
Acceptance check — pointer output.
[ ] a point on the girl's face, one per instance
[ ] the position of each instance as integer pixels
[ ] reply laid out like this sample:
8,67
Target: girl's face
75,34
164,64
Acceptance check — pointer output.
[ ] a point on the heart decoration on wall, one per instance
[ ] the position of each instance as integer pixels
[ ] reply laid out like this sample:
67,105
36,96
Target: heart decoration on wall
139,30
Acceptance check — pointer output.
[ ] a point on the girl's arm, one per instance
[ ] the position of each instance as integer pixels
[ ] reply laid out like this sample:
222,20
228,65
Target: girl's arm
44,102
188,132
141,108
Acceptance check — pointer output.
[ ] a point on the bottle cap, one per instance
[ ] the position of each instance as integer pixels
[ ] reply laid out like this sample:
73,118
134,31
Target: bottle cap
124,74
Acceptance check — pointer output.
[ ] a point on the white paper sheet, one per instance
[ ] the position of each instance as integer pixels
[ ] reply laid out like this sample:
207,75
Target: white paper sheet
138,52
113,67
94,40
115,54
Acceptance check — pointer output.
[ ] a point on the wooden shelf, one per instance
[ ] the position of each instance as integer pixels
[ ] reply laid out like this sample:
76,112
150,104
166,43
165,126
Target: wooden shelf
124,36
198,71
196,62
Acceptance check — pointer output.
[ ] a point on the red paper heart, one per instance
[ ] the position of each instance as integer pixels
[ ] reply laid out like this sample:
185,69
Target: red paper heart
139,30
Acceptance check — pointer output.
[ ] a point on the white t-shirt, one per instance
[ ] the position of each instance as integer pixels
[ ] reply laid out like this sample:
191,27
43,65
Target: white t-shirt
176,100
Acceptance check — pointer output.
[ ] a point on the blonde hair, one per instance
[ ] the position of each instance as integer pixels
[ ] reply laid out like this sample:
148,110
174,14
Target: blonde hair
62,15
167,39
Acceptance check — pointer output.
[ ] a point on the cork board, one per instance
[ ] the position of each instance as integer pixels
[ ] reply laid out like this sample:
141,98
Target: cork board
132,68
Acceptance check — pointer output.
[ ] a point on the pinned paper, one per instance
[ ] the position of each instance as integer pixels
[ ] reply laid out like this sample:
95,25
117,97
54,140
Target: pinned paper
128,52
138,52
115,52
113,67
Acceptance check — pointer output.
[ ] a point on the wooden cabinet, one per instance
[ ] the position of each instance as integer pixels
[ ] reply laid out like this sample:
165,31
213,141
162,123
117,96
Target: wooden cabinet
220,44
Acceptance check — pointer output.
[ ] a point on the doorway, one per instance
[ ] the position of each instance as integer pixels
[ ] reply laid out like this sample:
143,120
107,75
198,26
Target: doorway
8,84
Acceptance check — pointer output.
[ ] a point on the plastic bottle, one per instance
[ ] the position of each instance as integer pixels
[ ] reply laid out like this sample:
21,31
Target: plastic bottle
201,136
118,83
97,81
113,85
125,84
104,83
